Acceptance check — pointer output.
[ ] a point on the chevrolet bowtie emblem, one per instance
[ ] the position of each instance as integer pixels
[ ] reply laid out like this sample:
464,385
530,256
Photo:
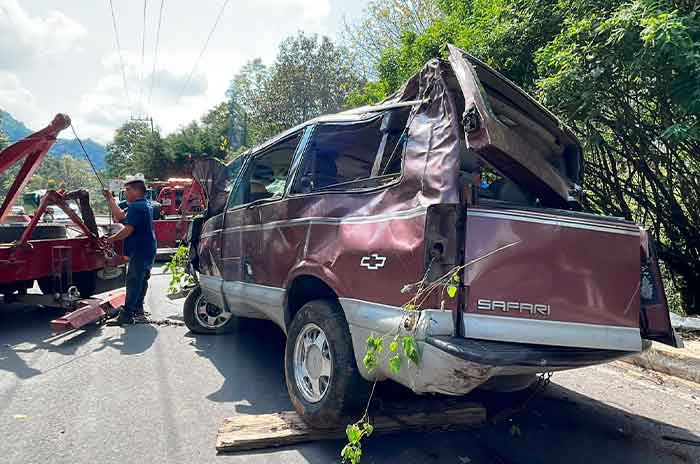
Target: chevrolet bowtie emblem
373,261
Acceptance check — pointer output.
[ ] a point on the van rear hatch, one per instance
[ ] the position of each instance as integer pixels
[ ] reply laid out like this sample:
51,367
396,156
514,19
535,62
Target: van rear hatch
517,135
547,275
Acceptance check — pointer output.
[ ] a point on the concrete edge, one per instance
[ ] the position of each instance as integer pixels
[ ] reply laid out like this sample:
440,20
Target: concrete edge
675,364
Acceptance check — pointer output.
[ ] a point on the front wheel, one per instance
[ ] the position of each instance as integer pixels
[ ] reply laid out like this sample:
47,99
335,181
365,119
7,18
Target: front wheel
202,317
322,378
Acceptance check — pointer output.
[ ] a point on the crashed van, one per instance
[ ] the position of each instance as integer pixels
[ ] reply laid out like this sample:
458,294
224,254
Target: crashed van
323,228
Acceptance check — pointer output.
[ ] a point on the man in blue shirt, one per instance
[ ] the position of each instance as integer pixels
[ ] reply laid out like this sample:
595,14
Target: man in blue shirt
139,245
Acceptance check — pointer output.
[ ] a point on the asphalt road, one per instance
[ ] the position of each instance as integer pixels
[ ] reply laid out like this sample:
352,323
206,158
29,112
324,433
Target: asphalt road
157,394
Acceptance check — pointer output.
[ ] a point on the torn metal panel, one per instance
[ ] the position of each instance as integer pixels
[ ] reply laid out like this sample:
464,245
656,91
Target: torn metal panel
487,185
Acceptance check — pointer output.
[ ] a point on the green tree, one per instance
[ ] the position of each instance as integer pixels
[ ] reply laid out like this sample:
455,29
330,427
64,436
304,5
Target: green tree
627,79
383,25
244,94
4,140
120,153
311,76
151,157
625,75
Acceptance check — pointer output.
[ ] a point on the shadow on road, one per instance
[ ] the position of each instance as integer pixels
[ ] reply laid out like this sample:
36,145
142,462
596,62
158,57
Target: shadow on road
251,360
133,339
26,330
558,425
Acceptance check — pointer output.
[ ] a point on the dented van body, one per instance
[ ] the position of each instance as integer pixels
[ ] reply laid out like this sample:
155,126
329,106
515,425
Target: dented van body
459,169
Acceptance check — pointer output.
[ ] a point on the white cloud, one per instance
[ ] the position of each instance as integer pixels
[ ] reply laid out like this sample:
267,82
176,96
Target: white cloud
312,12
26,39
20,102
106,106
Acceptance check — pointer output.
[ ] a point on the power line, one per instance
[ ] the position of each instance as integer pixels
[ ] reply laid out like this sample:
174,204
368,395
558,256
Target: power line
143,53
155,53
119,50
206,43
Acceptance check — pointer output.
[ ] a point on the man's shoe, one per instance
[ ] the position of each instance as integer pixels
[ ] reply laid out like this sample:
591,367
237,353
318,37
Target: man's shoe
122,319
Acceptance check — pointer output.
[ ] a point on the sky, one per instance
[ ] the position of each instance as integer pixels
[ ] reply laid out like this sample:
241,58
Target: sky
62,56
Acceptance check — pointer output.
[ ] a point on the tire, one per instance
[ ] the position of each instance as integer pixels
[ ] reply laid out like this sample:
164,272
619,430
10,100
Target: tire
346,392
85,281
210,323
46,285
12,232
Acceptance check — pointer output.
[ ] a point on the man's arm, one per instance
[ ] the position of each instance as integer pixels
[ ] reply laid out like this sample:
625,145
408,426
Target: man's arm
122,234
117,213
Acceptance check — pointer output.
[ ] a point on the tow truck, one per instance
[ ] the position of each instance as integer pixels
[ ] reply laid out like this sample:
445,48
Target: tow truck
177,201
74,267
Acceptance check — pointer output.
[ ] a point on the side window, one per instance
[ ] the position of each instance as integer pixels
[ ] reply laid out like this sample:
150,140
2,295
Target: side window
354,156
266,173
233,170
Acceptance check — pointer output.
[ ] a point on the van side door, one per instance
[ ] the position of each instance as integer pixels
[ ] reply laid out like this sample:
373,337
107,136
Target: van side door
261,185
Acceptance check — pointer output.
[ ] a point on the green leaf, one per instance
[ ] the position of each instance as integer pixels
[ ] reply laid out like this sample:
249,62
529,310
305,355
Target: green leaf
353,433
351,453
451,291
369,428
393,346
456,278
410,348
395,363
370,361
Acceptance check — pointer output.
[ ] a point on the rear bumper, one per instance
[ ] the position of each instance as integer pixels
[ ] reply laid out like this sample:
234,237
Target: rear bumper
455,366
507,354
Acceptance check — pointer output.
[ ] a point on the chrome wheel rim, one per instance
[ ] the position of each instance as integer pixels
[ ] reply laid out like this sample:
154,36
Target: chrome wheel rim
210,316
313,363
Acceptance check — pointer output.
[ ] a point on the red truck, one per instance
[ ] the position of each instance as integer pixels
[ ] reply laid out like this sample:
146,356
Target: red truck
70,262
177,200
450,213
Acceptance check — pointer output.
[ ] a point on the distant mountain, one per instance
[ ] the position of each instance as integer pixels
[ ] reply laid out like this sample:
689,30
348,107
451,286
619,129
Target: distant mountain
16,130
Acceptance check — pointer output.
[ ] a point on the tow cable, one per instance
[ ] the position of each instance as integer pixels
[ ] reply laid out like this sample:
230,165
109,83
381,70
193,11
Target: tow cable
542,383
148,320
160,322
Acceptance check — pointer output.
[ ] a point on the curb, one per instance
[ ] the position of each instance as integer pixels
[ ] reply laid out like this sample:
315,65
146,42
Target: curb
668,362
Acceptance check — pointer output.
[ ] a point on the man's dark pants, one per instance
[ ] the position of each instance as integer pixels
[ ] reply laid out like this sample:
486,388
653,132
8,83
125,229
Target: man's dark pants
137,275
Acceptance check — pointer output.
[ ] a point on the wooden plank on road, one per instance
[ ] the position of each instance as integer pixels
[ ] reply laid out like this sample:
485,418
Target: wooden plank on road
249,432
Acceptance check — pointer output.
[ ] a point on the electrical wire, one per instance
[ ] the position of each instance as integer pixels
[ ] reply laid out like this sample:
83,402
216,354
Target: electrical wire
143,54
119,50
155,52
206,43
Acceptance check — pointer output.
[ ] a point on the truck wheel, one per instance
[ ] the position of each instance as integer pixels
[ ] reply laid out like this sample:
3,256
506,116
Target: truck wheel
322,378
85,281
202,317
46,285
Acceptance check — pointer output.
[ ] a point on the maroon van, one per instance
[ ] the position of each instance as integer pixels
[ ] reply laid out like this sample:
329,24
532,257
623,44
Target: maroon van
320,229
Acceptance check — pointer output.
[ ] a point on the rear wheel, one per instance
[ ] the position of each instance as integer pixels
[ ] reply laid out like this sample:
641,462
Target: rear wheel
85,281
322,378
203,317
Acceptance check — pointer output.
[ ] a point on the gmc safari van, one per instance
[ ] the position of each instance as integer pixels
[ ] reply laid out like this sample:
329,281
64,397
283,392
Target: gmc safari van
320,228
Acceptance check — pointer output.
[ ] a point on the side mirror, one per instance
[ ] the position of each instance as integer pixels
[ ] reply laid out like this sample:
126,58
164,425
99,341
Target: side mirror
306,184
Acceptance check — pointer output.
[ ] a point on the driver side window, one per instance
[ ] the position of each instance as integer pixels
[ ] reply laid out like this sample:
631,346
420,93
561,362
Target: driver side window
266,174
